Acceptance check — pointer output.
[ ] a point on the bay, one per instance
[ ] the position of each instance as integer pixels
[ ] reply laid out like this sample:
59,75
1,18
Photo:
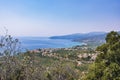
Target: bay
31,43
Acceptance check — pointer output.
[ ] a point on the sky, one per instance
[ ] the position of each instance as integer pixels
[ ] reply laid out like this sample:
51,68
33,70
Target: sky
58,17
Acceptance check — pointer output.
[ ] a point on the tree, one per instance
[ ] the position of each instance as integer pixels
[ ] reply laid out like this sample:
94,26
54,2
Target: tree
107,63
9,49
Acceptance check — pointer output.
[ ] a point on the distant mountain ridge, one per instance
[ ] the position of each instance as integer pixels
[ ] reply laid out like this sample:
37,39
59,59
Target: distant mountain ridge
80,36
93,39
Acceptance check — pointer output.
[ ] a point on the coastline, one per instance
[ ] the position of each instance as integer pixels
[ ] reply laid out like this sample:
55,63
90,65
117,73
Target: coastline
46,43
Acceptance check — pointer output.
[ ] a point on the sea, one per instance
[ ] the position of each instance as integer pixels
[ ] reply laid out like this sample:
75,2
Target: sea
31,43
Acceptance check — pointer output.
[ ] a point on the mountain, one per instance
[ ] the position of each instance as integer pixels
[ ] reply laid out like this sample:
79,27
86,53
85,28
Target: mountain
82,36
92,39
71,36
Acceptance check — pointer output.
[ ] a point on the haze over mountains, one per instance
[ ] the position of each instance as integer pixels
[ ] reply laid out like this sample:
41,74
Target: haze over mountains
82,36
96,38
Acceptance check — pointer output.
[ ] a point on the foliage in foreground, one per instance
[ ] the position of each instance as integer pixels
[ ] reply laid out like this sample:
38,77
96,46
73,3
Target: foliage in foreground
107,63
33,66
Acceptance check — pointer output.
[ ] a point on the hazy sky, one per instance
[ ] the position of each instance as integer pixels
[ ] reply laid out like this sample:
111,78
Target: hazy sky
57,17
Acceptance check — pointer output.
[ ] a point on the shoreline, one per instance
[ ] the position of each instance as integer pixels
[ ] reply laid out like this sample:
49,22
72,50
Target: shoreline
57,48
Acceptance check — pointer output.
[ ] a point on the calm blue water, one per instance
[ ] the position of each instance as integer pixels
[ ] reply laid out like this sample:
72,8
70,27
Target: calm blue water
31,43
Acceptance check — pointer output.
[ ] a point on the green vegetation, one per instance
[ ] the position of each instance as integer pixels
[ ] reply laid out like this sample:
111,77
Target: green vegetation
41,64
107,63
76,63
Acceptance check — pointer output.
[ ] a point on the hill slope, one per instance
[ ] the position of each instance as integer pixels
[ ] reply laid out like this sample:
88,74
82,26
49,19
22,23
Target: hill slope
93,39
81,36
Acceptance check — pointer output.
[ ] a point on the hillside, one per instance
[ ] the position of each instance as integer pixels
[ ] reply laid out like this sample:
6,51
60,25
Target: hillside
79,35
92,39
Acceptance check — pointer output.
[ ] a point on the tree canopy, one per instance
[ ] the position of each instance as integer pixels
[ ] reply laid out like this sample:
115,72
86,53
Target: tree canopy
107,63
